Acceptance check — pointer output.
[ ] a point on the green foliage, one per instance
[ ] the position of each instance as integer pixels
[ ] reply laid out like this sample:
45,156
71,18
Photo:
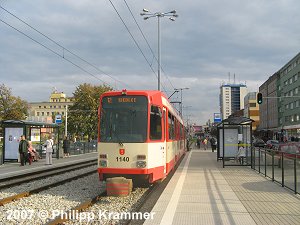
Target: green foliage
83,116
11,107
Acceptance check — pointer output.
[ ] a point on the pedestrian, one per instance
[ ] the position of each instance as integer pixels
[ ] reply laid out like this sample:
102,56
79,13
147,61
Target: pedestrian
213,144
241,154
198,142
49,150
30,153
66,147
23,149
205,143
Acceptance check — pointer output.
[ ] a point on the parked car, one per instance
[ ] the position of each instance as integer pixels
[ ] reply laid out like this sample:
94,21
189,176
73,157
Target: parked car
272,144
259,143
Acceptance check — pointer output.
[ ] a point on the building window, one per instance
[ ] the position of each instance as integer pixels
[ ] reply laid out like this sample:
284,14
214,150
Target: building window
54,107
297,104
291,80
45,107
40,107
297,117
43,113
296,90
295,77
38,114
292,105
287,106
48,114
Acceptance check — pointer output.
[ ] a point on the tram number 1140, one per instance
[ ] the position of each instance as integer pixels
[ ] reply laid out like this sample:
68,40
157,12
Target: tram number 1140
122,159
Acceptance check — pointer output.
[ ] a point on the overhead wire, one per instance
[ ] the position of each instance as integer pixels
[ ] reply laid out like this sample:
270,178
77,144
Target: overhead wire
154,57
54,52
134,40
64,48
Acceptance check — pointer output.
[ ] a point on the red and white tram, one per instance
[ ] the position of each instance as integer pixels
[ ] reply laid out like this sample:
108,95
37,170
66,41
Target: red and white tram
140,136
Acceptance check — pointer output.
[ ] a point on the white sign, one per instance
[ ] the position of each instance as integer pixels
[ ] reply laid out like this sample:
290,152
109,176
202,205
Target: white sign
58,119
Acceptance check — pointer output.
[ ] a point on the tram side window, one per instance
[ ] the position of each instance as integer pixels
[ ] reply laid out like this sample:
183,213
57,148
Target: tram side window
155,123
171,124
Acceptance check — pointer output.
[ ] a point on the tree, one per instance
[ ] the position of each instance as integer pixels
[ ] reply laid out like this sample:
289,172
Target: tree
11,107
83,116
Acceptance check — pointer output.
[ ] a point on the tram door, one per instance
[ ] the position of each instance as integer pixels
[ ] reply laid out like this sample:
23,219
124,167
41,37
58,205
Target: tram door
164,139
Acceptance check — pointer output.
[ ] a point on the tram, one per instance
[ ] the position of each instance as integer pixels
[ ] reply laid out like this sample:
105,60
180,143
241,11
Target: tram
140,136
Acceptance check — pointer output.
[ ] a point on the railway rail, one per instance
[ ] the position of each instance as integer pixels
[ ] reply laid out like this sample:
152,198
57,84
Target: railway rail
42,188
40,174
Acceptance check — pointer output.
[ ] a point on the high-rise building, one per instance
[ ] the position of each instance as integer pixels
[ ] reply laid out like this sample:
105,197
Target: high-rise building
232,98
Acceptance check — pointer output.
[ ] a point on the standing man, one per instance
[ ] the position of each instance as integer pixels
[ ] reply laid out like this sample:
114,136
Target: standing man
49,150
23,149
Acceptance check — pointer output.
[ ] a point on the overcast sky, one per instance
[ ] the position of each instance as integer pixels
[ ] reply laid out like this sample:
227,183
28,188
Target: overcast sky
210,39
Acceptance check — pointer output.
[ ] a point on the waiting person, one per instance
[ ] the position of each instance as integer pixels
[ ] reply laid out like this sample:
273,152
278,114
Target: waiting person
49,150
66,147
23,149
30,153
205,143
213,144
241,153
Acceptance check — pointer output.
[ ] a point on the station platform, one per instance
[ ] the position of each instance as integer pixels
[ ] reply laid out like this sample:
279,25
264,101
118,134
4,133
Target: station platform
9,169
202,192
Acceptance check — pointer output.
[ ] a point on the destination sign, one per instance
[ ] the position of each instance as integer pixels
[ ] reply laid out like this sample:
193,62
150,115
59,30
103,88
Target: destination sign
126,100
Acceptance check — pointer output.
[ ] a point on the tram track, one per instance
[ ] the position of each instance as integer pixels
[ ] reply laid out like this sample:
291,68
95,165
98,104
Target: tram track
41,174
144,204
42,188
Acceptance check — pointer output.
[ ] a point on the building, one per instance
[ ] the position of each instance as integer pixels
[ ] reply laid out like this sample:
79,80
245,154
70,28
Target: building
268,110
231,98
45,111
288,87
251,109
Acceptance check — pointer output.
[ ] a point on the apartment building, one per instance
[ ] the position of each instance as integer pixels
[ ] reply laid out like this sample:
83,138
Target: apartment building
232,98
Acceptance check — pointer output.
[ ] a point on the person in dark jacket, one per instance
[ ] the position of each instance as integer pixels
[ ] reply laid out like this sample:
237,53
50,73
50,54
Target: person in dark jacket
213,144
23,149
66,147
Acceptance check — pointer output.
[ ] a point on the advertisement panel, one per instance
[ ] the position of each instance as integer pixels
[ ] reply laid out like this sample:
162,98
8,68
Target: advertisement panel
35,134
12,139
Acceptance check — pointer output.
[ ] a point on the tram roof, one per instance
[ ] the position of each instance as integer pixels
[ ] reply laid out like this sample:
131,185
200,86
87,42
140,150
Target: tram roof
149,93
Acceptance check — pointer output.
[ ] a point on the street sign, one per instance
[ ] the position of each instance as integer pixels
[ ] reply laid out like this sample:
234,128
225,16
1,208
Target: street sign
58,119
217,117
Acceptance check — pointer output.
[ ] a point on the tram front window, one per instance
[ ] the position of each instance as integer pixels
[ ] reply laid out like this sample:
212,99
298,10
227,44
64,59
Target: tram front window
123,119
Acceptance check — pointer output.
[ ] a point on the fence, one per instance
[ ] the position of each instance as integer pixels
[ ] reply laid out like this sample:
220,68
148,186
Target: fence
281,167
76,148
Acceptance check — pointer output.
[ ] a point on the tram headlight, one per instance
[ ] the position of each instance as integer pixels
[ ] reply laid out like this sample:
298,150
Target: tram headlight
103,163
141,164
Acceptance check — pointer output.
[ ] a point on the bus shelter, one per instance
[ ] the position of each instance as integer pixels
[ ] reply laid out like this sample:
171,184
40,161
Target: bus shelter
233,133
36,132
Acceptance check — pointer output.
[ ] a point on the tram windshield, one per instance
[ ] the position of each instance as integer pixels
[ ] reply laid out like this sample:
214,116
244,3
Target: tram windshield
123,119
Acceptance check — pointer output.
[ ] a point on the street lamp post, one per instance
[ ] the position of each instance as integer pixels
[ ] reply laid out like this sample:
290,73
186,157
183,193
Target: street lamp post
147,14
180,89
